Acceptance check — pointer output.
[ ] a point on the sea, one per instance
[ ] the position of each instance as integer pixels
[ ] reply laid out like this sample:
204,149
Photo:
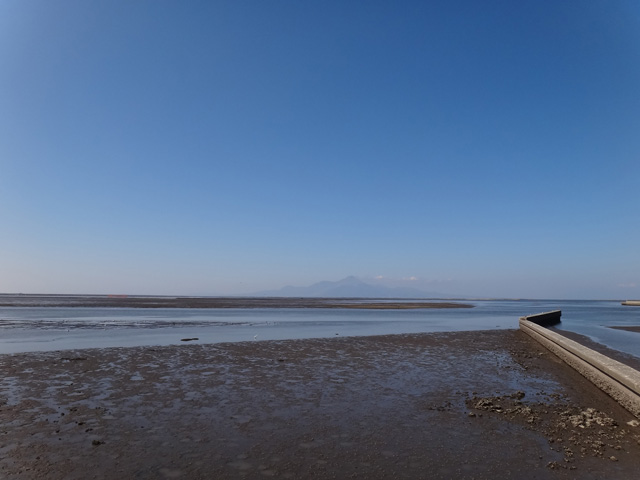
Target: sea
30,329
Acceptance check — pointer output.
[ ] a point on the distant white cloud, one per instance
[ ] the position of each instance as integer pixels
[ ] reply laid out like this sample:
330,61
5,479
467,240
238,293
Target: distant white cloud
410,279
628,285
378,277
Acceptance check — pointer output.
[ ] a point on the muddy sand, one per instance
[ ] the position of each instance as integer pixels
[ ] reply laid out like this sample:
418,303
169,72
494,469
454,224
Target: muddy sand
482,405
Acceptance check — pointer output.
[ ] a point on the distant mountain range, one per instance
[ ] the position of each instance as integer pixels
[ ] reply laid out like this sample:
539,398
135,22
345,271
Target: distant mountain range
350,287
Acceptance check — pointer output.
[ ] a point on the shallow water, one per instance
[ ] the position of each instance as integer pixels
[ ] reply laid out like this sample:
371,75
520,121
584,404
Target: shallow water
24,329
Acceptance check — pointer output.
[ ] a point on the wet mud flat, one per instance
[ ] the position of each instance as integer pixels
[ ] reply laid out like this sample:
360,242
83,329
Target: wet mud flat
491,404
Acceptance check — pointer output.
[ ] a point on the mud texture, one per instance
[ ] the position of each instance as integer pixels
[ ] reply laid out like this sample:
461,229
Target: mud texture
482,405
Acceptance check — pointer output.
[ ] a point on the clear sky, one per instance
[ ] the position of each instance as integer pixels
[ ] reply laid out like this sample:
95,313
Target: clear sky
488,148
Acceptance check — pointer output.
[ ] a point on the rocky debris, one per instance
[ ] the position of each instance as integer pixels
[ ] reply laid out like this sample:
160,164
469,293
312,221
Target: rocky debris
589,417
570,430
510,405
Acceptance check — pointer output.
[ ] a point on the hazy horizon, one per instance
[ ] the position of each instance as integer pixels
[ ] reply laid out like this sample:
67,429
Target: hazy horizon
432,294
223,148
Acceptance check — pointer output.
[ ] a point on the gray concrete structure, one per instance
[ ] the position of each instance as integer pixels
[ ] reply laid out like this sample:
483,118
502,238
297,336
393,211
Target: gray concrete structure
546,319
633,303
616,379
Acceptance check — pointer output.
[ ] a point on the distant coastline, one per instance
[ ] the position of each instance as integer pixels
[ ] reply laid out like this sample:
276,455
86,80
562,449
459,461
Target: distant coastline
125,301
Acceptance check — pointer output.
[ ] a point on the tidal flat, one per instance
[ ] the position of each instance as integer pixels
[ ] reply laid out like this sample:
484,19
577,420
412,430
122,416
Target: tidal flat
481,404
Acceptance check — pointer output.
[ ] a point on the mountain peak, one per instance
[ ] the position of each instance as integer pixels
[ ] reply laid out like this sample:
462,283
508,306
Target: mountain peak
350,280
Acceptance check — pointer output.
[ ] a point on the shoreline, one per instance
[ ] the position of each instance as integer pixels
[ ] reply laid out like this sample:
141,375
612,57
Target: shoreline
481,404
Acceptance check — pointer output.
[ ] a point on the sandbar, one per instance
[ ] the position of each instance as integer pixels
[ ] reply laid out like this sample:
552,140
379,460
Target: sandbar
628,328
125,301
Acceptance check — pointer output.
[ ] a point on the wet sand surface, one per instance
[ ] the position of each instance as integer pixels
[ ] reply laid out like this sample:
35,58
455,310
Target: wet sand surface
445,405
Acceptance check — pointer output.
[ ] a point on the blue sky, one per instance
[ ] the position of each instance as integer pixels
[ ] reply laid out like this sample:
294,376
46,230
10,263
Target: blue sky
159,147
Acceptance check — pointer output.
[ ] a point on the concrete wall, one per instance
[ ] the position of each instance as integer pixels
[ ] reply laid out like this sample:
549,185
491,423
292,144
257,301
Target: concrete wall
546,319
616,379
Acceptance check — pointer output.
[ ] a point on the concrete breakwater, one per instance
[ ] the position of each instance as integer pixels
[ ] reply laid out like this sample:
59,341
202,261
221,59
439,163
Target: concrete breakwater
632,303
545,319
618,380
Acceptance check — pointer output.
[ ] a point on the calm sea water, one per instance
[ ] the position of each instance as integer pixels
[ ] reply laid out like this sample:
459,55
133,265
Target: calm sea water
25,329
